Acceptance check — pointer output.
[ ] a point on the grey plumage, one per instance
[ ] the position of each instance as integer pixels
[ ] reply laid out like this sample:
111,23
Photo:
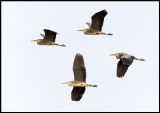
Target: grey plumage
95,28
121,69
79,82
125,61
89,24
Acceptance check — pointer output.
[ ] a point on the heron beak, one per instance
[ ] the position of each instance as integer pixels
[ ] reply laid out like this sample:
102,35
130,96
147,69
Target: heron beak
34,40
80,30
113,55
65,83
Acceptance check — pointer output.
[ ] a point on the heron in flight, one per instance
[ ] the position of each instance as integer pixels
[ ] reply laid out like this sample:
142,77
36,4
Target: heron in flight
48,39
79,82
124,62
97,22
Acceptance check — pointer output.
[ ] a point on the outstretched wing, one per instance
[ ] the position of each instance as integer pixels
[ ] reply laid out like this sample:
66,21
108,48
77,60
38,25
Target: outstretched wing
121,68
79,69
77,93
50,35
97,20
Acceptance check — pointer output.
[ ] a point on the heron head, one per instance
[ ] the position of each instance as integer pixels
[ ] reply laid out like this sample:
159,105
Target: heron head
118,55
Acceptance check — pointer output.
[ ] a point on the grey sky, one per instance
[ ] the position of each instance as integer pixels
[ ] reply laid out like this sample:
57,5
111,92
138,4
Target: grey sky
32,74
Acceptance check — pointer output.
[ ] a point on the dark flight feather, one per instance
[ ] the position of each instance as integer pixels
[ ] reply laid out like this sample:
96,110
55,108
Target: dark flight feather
121,69
49,35
97,20
79,69
77,93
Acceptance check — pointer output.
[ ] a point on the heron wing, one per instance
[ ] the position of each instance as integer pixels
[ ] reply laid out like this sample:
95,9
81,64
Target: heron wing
79,69
43,35
50,35
97,20
127,59
77,93
121,69
89,24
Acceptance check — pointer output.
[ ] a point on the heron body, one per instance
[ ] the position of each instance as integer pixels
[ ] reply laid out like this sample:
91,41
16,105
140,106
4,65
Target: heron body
48,38
79,82
95,28
125,61
92,32
45,42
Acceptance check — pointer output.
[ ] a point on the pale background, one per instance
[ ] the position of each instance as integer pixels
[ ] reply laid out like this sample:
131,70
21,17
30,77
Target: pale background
32,74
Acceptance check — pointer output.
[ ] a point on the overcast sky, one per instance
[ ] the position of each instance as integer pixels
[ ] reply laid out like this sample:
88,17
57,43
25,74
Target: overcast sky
32,75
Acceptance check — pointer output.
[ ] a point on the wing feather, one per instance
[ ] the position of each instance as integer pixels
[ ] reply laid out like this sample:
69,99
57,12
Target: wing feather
79,69
121,69
50,35
43,35
97,20
77,93
89,24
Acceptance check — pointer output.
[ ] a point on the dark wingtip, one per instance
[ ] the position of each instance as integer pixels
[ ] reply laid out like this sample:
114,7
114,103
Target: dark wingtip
45,29
79,54
50,31
105,11
76,100
120,76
